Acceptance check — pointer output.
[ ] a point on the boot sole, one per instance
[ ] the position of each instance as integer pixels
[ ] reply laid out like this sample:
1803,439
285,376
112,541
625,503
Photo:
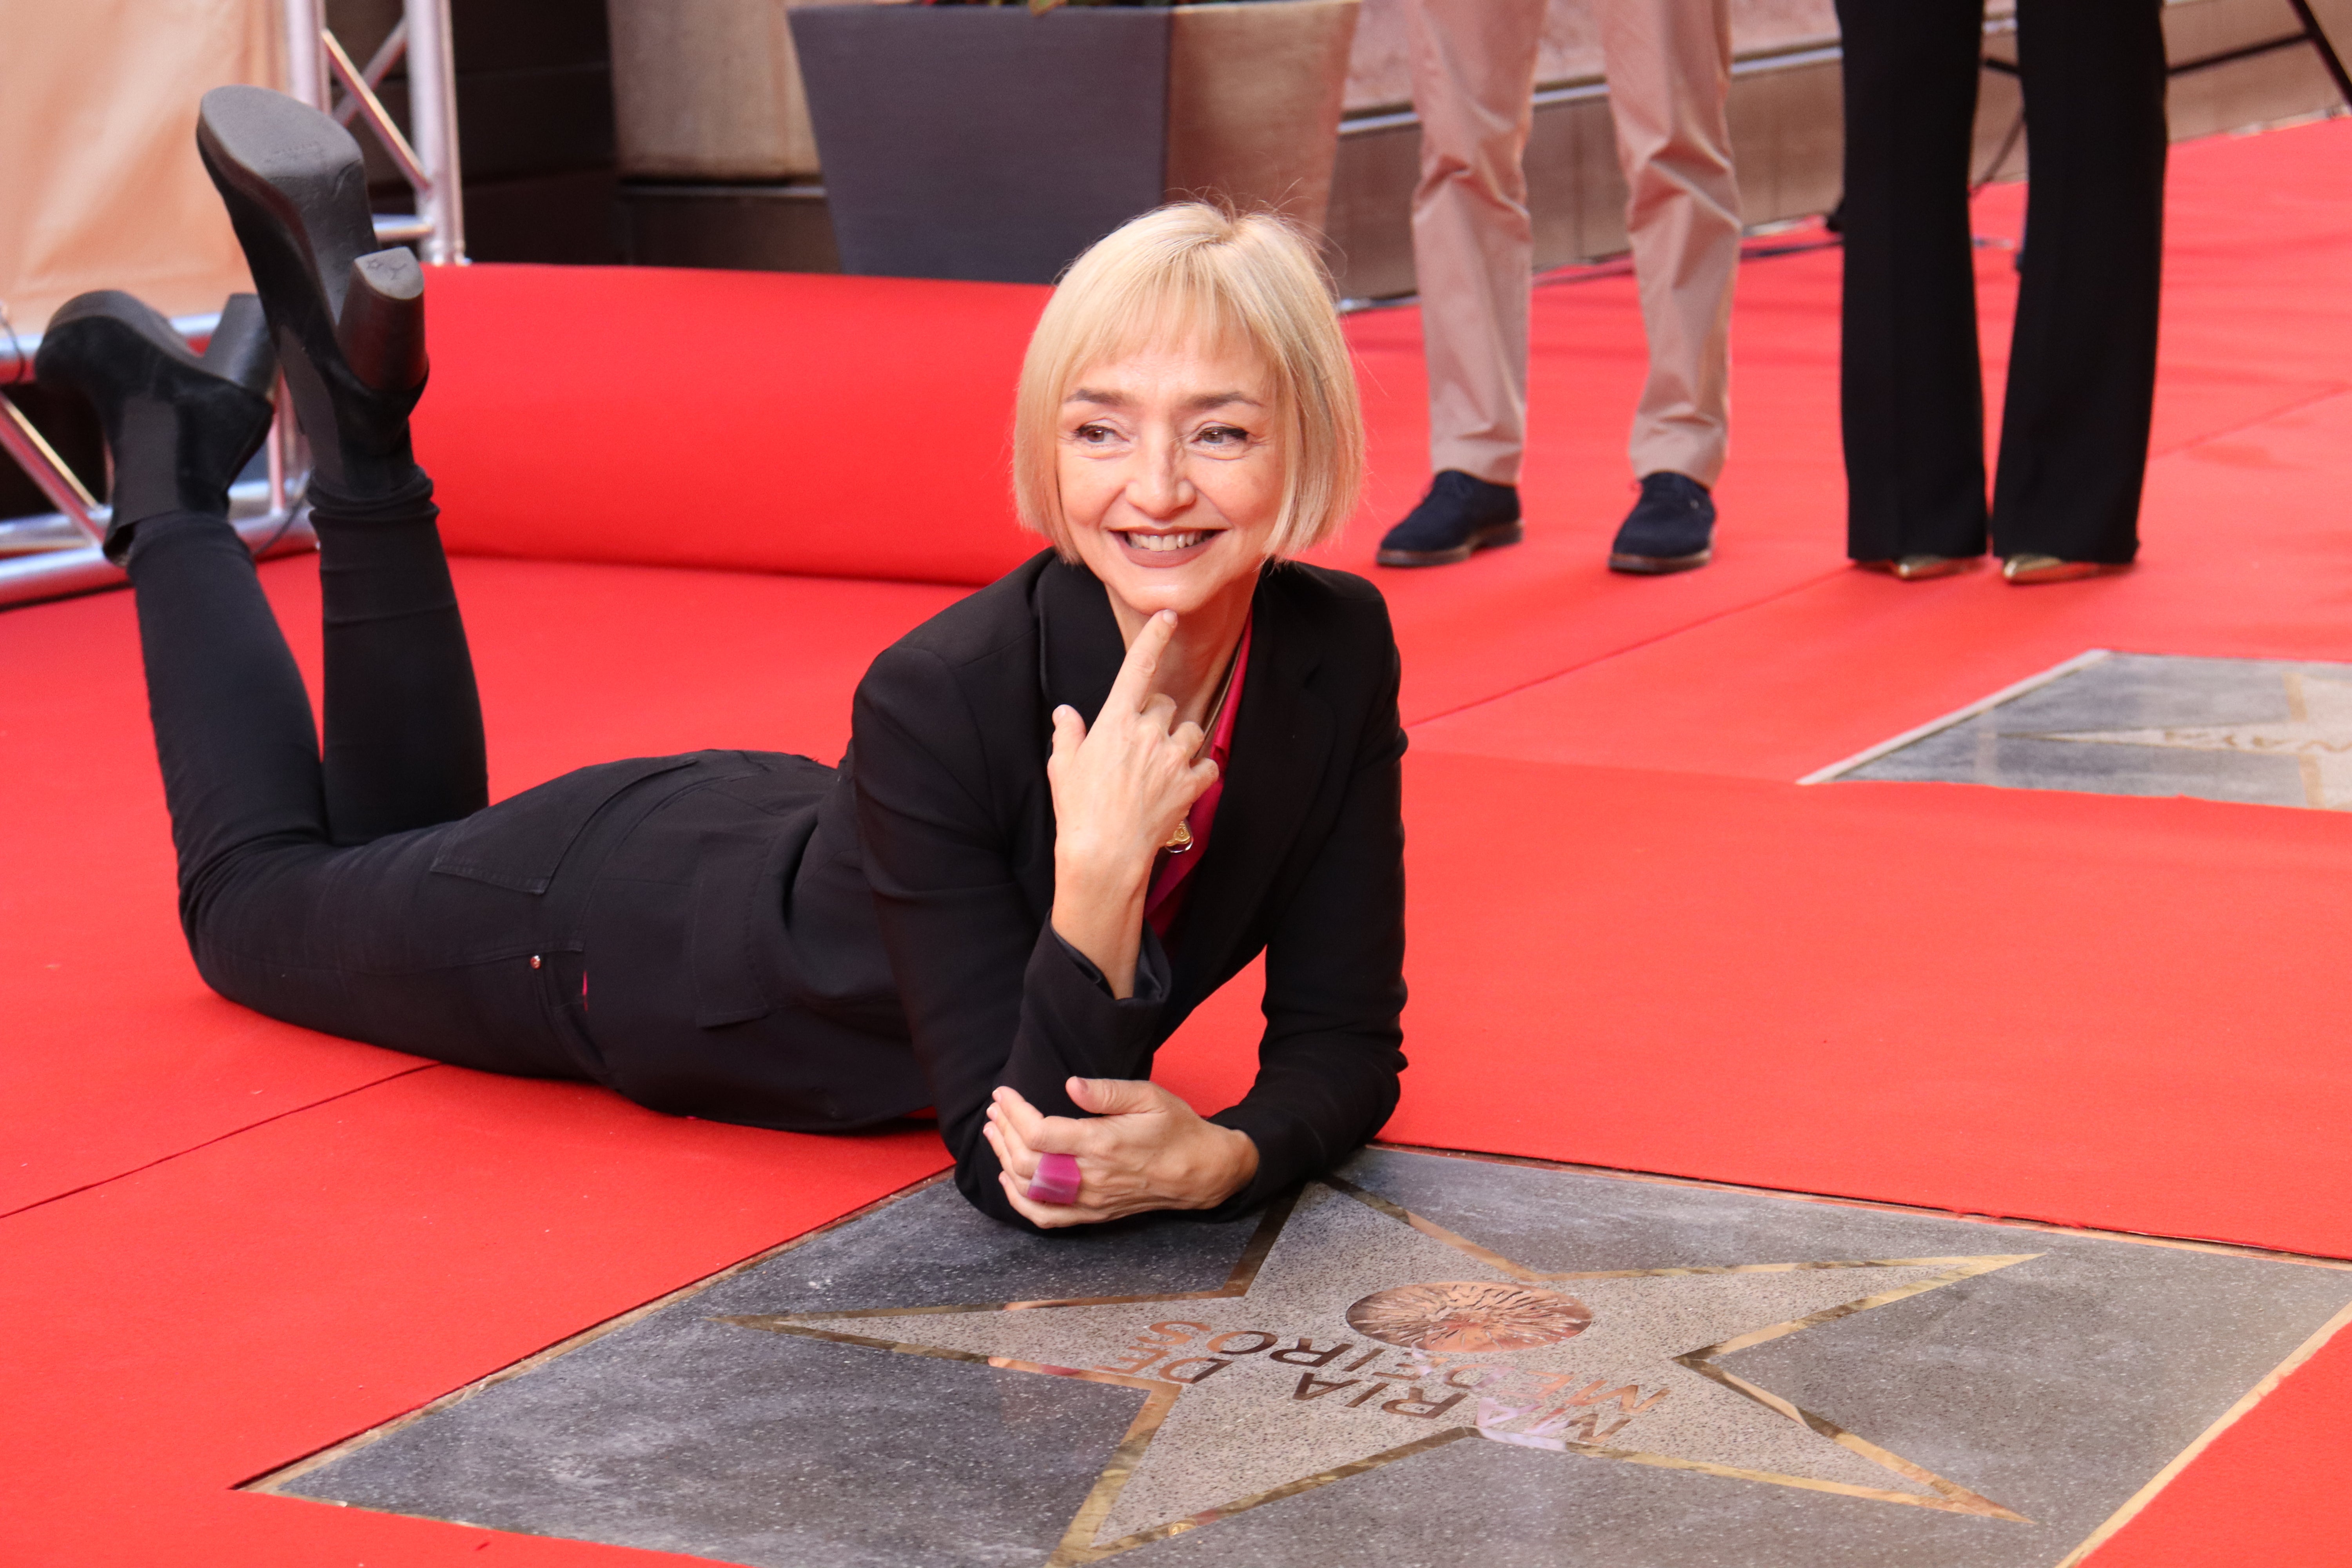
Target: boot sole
296,188
1488,538
116,350
234,359
127,311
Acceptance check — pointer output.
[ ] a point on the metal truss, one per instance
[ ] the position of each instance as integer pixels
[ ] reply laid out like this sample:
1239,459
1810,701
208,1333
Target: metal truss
317,63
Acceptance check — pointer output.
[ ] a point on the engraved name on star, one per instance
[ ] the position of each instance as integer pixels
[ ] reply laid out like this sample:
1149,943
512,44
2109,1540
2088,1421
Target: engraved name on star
2317,733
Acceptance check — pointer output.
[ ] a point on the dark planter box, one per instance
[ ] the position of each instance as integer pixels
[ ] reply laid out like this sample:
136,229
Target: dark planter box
983,142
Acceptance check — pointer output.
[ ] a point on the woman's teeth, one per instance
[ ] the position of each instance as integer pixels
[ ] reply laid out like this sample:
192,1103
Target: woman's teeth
1167,540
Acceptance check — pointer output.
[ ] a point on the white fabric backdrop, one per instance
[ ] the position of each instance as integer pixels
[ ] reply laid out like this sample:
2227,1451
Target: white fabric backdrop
100,186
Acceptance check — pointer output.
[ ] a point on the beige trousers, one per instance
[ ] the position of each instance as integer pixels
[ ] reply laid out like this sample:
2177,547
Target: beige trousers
1669,69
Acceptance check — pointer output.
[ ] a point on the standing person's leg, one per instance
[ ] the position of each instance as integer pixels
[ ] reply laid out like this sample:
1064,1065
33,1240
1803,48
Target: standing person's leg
2082,366
1669,69
1473,72
1911,385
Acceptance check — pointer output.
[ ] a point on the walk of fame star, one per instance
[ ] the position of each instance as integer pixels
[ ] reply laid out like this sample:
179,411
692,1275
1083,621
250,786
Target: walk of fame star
1354,1334
2317,733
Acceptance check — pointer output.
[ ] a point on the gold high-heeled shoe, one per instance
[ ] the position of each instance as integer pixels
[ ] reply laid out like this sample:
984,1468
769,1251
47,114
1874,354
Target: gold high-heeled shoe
1914,568
2031,567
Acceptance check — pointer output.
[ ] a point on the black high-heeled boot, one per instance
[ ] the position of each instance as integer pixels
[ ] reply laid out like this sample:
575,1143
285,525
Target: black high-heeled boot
179,427
349,316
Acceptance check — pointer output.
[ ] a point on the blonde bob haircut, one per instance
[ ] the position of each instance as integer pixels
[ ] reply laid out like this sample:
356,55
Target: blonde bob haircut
1190,271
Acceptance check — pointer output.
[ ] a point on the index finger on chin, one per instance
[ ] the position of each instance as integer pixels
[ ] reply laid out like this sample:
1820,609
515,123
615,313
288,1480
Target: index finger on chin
1142,661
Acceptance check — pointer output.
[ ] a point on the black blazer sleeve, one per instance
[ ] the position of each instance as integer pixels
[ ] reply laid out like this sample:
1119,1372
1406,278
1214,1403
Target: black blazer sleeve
1331,1054
992,995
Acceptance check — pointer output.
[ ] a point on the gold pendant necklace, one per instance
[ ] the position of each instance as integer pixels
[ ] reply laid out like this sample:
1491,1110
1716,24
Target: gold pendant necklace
1182,840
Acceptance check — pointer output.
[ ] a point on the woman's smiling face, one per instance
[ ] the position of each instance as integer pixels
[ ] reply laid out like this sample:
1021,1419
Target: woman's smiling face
1171,473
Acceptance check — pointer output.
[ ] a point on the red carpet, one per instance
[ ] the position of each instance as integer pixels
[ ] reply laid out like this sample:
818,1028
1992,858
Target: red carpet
2245,557
843,426
1635,941
179,1330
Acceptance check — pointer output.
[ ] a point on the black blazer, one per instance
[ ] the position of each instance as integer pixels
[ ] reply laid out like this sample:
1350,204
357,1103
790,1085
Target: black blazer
915,964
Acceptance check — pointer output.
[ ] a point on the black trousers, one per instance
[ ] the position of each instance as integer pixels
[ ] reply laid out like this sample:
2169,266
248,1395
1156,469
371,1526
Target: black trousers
308,885
2082,373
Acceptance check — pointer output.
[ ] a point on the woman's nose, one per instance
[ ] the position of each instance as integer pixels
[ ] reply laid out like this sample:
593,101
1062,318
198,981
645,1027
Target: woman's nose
1161,489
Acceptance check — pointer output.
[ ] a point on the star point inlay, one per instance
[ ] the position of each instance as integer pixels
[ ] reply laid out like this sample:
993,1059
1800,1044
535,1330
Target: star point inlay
1348,1338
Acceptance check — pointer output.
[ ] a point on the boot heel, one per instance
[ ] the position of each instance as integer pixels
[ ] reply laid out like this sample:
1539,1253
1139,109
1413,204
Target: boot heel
381,333
240,349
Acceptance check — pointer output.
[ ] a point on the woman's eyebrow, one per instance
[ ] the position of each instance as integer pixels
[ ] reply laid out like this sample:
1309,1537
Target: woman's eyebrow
1191,405
1204,401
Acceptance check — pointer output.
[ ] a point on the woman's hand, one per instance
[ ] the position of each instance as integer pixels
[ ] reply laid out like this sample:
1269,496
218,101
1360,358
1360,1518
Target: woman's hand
1141,1149
1119,790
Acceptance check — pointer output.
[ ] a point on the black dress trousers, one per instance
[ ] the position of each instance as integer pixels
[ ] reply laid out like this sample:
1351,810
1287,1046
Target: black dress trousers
2081,377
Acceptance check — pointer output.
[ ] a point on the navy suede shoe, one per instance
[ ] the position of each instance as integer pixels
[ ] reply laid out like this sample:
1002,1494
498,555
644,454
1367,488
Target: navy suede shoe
1460,516
1670,529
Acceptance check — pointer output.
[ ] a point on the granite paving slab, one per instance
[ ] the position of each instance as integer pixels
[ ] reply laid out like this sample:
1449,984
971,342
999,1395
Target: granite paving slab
1422,1359
2259,731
